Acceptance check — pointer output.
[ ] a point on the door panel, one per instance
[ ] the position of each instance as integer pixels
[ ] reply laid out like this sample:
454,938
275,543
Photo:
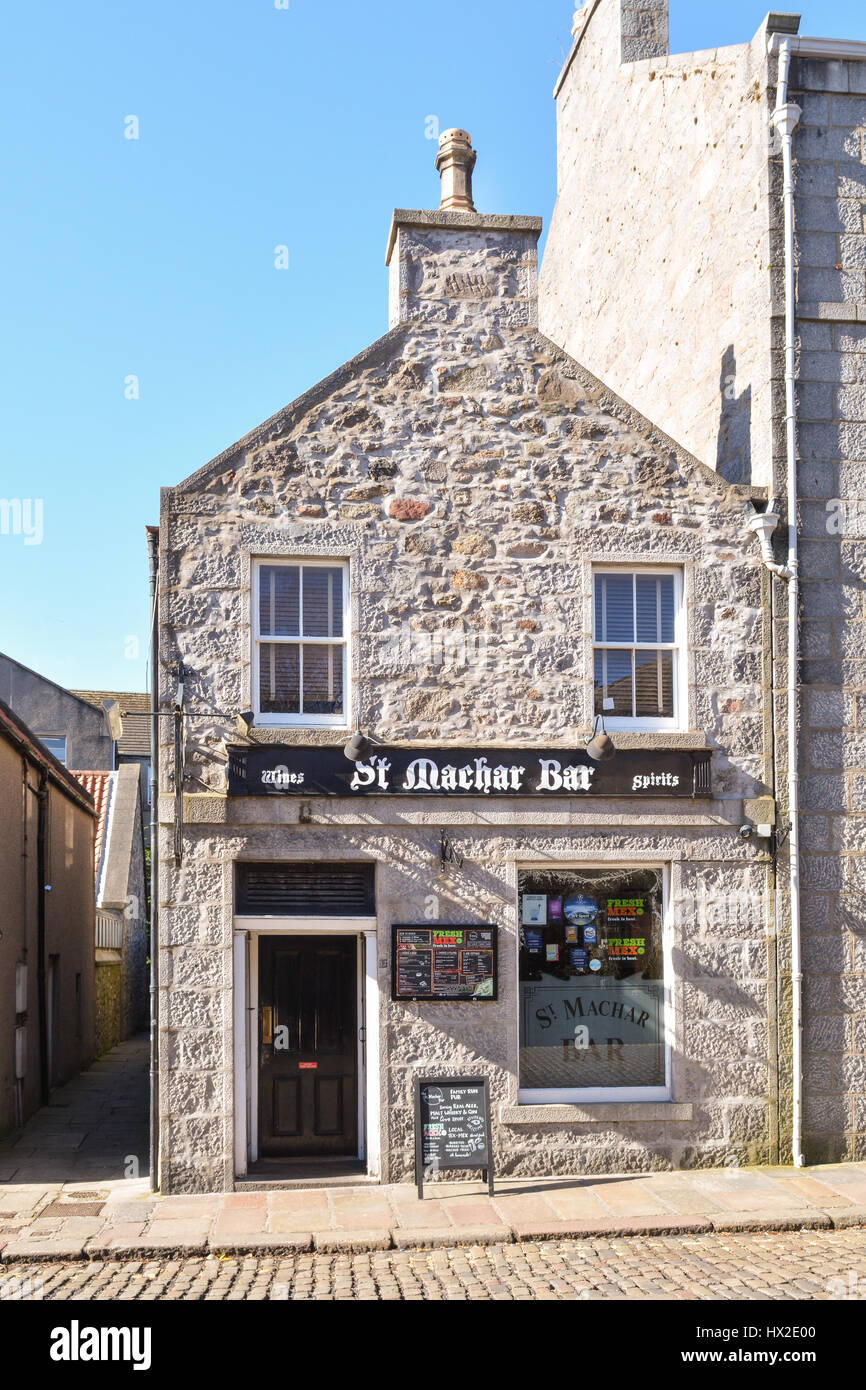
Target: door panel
308,1046
329,1114
287,1106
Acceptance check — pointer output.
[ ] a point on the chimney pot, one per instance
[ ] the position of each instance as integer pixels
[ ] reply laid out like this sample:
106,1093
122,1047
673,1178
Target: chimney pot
455,162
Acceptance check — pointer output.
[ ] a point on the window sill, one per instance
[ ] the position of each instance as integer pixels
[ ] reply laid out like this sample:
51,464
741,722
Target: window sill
297,733
634,1111
644,739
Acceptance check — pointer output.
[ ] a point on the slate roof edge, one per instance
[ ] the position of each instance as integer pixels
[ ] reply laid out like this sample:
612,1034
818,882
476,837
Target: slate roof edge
383,348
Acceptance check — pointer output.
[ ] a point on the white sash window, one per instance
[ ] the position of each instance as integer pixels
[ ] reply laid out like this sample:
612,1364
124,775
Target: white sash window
637,648
300,626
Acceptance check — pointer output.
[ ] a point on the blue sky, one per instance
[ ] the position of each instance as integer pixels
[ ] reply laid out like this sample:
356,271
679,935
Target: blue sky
154,258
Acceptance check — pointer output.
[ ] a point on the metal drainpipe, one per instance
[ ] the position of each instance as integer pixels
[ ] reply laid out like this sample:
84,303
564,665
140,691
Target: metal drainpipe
41,820
785,119
153,560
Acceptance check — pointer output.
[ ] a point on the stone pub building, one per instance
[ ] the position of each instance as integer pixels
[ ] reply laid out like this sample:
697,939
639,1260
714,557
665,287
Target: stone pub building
389,620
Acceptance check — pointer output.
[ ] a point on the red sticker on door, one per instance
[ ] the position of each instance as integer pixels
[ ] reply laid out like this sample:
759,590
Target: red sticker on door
307,1066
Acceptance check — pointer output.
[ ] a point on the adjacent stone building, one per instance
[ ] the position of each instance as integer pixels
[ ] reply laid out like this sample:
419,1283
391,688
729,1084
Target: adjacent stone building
664,273
388,620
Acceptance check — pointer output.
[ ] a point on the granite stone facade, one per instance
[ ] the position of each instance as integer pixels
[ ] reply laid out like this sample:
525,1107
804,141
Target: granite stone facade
670,177
471,473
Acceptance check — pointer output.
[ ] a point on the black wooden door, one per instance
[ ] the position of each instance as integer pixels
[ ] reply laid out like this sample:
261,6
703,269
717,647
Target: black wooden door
308,1045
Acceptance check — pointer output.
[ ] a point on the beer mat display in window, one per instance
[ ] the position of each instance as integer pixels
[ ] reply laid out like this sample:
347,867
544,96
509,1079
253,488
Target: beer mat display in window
441,961
591,978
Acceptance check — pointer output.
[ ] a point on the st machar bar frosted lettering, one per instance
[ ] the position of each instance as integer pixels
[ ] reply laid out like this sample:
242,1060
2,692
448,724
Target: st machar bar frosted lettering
300,770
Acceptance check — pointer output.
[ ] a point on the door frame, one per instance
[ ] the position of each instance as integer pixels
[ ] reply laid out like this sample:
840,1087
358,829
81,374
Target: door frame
245,1009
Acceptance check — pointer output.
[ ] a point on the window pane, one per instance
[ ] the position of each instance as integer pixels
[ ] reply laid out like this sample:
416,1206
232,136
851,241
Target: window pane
279,672
323,679
57,746
323,602
614,604
591,979
655,607
278,600
654,685
668,610
613,681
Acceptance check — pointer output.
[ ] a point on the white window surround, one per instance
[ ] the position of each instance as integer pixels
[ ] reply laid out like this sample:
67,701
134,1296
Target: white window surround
599,1095
246,934
679,647
300,721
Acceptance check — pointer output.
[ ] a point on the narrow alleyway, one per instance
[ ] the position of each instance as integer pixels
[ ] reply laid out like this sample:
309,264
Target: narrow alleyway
94,1128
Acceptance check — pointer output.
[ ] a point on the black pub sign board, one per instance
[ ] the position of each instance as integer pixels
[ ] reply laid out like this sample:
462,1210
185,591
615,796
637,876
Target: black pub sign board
304,770
442,961
452,1126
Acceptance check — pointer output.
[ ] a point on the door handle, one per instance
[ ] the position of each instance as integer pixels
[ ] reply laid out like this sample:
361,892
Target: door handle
267,1025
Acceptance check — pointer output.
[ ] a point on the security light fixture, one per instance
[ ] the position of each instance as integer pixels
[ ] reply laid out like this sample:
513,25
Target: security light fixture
113,720
600,747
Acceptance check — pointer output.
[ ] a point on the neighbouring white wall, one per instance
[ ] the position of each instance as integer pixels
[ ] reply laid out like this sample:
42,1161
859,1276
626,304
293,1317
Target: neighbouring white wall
641,280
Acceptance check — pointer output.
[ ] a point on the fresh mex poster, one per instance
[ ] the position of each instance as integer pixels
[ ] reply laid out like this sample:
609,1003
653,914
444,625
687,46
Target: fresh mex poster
443,961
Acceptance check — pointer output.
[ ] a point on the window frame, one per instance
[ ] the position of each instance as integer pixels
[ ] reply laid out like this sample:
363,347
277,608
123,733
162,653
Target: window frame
301,720
56,738
600,1095
678,648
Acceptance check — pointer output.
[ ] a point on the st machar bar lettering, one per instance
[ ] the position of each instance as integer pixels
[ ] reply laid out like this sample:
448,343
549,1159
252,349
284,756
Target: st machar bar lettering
270,770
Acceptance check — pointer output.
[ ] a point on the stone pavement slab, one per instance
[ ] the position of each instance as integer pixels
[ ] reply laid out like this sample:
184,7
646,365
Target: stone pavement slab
775,1220
405,1238
352,1241
54,1198
97,1220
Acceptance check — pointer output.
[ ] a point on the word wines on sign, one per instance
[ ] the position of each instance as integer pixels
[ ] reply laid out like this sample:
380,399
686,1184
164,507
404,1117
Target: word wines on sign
290,770
444,962
452,1126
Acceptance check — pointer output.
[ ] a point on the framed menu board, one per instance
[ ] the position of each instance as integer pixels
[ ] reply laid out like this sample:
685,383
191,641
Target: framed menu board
444,961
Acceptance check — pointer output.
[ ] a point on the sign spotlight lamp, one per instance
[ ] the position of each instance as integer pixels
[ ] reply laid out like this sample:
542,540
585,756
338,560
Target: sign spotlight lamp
358,749
601,746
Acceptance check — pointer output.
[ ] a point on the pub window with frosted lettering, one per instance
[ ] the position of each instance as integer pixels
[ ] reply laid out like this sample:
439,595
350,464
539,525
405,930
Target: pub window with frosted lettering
300,636
591,985
636,647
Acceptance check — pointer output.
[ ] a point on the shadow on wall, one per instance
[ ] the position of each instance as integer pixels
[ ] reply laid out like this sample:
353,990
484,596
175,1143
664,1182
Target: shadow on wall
734,447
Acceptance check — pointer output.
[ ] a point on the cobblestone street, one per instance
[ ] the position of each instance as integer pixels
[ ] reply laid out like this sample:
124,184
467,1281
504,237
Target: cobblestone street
787,1266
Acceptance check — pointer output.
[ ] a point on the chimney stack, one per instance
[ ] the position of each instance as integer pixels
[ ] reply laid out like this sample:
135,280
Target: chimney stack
455,162
458,266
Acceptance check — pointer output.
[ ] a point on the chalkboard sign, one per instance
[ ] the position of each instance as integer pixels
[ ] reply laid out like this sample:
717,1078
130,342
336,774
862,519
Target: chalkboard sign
452,1126
444,962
